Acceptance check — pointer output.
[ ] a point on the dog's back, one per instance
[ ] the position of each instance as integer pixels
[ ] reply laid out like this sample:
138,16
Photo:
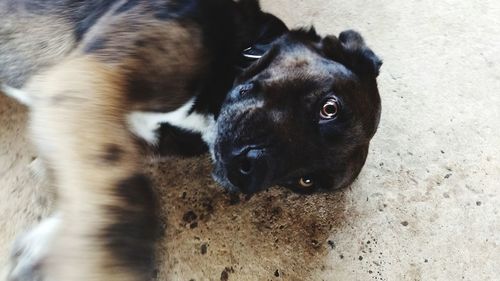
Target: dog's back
35,34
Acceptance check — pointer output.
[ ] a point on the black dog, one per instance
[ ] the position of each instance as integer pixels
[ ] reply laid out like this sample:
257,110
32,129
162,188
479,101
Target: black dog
92,71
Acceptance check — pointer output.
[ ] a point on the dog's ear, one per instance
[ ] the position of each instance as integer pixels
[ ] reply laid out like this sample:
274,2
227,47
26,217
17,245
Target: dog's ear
269,28
261,30
251,6
350,50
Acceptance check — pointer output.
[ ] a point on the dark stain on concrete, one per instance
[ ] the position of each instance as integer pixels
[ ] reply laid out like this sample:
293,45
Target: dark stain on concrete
240,228
224,276
189,217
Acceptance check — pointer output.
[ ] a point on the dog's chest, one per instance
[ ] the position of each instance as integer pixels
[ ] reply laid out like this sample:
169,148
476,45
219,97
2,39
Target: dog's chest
146,124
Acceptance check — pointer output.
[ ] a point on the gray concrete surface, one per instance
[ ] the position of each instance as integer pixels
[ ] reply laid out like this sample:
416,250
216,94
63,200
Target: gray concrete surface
426,206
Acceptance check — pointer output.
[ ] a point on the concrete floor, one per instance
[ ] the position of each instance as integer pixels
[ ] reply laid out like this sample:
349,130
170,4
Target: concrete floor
426,206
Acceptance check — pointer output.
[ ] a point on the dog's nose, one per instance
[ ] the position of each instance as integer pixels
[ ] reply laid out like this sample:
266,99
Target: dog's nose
248,169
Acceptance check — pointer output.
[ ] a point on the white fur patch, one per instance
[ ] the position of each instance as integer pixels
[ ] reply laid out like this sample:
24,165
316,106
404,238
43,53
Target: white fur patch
145,124
32,248
19,95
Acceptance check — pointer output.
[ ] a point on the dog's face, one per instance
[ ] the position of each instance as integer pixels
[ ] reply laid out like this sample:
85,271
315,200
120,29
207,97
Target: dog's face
302,116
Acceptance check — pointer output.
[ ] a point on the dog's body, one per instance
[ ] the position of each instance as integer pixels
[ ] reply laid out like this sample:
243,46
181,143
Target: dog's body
91,69
94,71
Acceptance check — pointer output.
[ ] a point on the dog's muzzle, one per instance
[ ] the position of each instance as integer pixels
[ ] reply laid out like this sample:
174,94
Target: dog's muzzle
248,168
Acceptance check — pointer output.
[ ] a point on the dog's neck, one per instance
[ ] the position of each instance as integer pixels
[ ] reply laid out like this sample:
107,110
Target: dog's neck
229,30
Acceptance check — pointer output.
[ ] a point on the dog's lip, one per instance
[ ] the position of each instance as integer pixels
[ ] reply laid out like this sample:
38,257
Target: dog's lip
225,183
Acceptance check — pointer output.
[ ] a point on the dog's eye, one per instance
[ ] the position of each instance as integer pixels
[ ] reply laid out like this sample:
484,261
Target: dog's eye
306,182
330,109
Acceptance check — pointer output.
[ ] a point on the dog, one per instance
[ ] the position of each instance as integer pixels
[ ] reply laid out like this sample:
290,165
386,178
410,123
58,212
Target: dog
273,107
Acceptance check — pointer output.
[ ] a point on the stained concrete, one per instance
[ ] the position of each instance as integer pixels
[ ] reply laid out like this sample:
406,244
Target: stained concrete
426,206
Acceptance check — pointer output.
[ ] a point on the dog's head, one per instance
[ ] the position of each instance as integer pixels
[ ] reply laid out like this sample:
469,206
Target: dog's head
301,116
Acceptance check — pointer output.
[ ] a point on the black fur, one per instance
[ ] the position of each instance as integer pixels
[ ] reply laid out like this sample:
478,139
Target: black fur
176,141
112,154
293,81
228,29
133,237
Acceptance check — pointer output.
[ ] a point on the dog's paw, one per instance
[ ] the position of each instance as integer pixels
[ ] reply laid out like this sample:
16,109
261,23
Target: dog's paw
30,252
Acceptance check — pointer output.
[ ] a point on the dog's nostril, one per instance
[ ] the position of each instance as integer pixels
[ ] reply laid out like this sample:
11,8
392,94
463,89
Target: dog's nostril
245,161
246,166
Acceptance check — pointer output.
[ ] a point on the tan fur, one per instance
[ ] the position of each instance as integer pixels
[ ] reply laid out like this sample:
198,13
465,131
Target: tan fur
85,181
29,43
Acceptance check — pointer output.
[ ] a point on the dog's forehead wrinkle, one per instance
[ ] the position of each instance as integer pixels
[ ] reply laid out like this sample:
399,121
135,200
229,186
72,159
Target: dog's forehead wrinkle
302,68
297,55
302,83
284,73
303,59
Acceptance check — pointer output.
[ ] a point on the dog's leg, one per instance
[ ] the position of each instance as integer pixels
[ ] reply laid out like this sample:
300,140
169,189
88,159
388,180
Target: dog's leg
108,223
